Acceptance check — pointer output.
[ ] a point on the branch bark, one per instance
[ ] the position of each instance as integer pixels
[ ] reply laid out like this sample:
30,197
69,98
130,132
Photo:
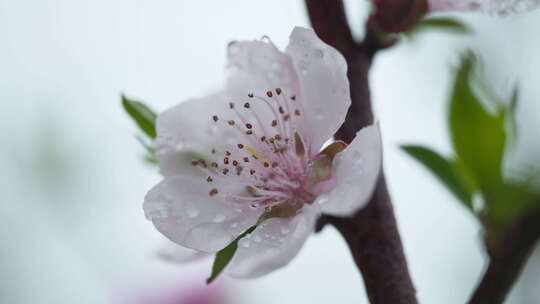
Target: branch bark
508,255
372,233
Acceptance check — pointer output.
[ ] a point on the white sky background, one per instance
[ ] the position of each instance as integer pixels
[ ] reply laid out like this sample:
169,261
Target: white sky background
72,182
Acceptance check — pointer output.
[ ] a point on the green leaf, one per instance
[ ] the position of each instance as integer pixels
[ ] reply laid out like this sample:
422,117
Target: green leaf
478,135
143,116
446,24
445,170
225,255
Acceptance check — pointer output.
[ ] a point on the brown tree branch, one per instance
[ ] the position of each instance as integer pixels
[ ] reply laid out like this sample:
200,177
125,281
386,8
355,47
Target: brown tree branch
508,255
372,233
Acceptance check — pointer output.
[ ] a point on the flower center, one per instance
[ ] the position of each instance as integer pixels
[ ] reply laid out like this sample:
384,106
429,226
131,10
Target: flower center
270,162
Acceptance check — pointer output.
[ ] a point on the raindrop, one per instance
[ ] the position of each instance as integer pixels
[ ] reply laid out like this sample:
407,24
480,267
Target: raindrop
318,53
219,218
192,212
322,199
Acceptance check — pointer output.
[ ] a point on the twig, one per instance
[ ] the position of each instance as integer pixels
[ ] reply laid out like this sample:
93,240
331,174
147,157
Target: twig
372,233
507,257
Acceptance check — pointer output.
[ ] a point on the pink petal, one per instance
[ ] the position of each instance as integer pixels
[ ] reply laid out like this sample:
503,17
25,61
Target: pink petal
187,131
324,87
499,7
273,244
356,171
182,209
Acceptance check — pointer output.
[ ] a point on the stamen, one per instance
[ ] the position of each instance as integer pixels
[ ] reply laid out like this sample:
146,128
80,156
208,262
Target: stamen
231,122
209,179
213,151
214,164
249,132
240,146
235,163
225,171
231,105
226,160
293,97
266,164
278,91
281,111
297,112
215,118
227,153
247,105
269,94
249,126
250,95
213,192
274,123
246,159
251,171
202,163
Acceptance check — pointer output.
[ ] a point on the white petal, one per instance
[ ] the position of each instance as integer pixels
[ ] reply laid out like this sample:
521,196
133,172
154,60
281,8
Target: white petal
258,67
187,131
273,244
174,253
499,7
356,171
182,210
324,87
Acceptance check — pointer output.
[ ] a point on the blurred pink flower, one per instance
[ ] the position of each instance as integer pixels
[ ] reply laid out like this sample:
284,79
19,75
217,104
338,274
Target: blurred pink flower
499,7
251,155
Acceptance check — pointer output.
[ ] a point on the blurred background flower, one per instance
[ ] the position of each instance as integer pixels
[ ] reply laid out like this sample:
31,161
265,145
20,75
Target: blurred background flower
72,181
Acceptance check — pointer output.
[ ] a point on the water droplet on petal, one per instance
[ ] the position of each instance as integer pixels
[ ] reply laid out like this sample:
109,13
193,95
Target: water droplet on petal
192,212
322,199
219,218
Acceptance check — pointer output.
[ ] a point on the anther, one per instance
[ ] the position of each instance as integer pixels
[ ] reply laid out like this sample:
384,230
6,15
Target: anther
213,192
202,163
213,151
214,164
226,160
227,153
235,163
286,117
246,159
249,132
240,146
263,138
239,170
274,164
249,126
225,171
278,91
274,123
231,122
247,105
250,95
231,105
194,162
215,118
281,110
209,179
277,137
269,94
297,112
293,97
266,164
251,171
